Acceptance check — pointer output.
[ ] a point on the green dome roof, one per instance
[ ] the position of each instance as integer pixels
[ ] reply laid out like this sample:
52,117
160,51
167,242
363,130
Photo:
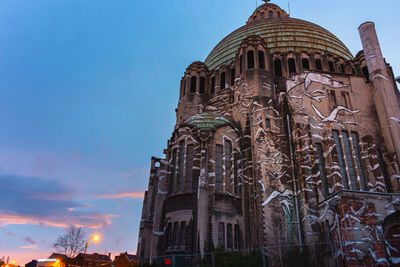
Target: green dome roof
207,120
281,35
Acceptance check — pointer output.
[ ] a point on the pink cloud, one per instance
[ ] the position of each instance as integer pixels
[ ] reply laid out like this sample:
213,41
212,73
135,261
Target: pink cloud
31,246
95,221
135,195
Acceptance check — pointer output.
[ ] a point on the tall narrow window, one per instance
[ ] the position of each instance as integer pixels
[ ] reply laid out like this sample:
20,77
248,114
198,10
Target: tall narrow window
169,235
218,168
229,236
339,153
278,67
233,76
278,15
181,161
305,63
176,234
212,89
349,161
221,235
241,63
228,164
365,73
222,80
331,66
173,173
261,60
292,65
235,172
359,164
193,84
267,123
332,96
250,59
237,237
202,85
318,64
262,16
322,170
182,235
345,103
189,167
385,174
342,68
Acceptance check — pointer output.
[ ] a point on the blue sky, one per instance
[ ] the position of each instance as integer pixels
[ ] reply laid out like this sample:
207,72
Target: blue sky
87,95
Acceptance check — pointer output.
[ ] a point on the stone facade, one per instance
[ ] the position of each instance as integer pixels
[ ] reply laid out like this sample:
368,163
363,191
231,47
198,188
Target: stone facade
283,142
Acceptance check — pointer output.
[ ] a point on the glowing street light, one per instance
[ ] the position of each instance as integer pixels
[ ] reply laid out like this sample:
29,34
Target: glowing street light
95,238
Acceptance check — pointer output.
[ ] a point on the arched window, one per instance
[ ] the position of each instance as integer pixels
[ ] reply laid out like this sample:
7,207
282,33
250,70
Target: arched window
233,74
331,66
342,68
365,73
271,14
261,60
212,89
222,80
262,15
193,84
202,85
255,18
306,63
278,15
318,64
292,65
278,67
182,235
250,59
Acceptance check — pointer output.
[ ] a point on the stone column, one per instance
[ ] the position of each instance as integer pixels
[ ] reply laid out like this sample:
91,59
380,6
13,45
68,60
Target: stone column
384,94
202,201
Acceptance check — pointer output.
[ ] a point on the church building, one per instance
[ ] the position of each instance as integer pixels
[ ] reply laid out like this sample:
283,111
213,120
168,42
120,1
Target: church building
284,143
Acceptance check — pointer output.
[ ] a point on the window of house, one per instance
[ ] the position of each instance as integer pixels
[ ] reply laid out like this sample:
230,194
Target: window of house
292,65
322,170
202,85
344,97
228,164
229,236
189,167
176,234
180,167
237,237
318,64
342,68
233,75
340,157
250,59
331,66
271,14
240,63
193,84
359,164
305,63
221,235
255,18
235,171
182,235
173,173
332,96
212,89
349,161
218,168
278,14
267,123
278,67
262,15
169,235
385,173
222,80
261,60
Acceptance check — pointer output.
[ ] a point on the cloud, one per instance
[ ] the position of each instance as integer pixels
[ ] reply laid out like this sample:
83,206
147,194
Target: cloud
31,246
135,195
30,240
136,172
31,200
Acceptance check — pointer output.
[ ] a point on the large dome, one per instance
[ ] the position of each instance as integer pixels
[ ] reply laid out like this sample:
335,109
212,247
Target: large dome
282,34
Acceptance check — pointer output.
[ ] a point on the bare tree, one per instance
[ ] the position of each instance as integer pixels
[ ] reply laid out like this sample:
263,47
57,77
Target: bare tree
72,242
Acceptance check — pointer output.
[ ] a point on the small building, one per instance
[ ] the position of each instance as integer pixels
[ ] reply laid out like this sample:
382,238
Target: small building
93,260
125,260
32,263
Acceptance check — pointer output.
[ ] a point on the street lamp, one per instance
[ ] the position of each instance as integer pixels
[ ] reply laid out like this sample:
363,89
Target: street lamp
95,238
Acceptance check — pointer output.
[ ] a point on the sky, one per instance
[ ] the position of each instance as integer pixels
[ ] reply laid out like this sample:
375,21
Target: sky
88,90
